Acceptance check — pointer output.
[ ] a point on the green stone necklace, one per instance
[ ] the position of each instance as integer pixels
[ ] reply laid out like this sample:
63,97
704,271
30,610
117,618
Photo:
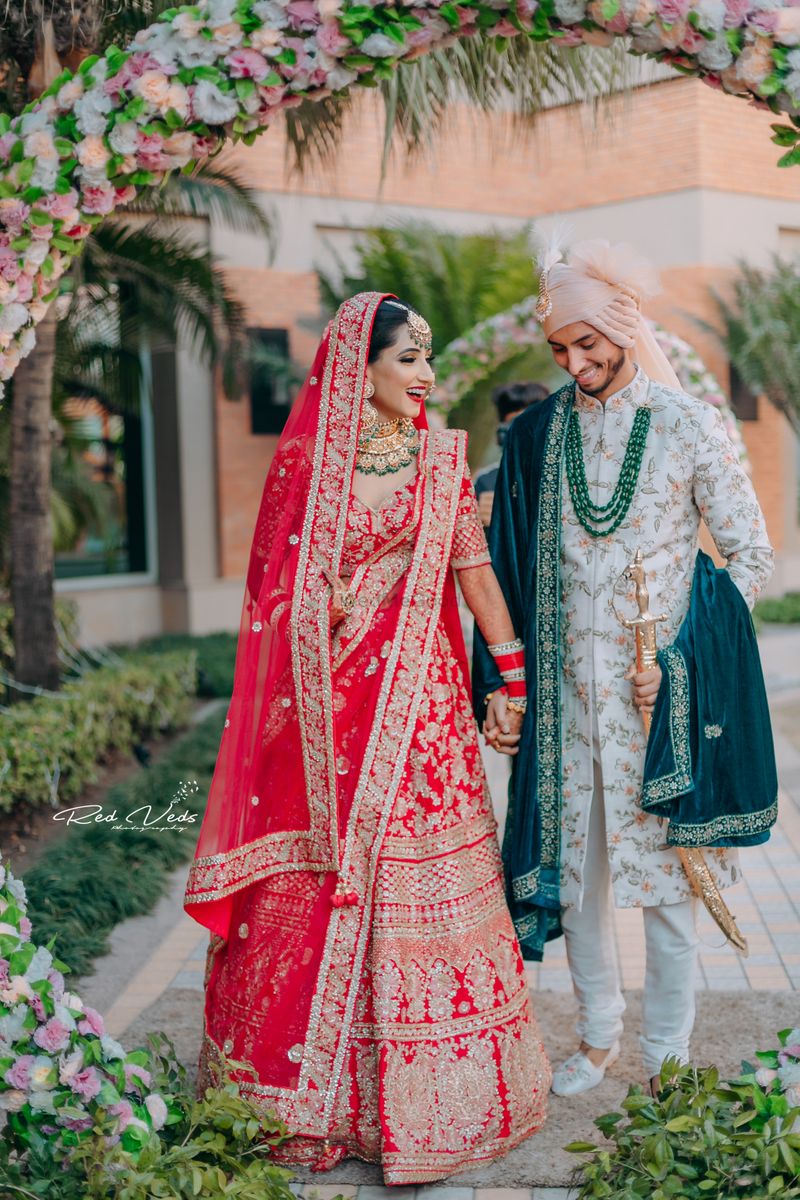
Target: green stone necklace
599,520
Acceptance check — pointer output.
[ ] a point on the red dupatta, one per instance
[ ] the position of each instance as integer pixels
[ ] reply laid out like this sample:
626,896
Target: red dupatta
272,804
282,799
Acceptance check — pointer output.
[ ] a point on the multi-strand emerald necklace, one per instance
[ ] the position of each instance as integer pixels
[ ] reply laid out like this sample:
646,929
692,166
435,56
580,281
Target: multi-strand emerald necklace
599,520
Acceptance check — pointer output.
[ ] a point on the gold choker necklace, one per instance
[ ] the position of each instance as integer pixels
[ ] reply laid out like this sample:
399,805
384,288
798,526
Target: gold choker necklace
392,446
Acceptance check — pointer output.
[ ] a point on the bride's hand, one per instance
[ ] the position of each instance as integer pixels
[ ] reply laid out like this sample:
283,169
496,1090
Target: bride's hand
341,598
501,727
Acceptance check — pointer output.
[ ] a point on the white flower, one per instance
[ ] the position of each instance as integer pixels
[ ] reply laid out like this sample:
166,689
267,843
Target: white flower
12,1100
792,84
765,1076
272,13
17,889
12,318
70,1000
2,875
157,1110
711,13
63,1015
30,122
197,52
124,137
91,110
715,55
792,1095
569,12
70,1066
211,105
110,1047
12,1026
380,45
789,1075
41,1101
340,78
41,1072
220,12
45,173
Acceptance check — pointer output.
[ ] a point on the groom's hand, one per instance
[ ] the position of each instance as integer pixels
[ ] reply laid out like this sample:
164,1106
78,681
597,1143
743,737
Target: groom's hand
501,728
645,687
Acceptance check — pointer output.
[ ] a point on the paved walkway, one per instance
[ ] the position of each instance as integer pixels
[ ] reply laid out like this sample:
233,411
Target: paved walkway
767,908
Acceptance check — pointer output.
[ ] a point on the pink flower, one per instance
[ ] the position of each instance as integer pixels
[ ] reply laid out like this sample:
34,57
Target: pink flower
331,39
123,1112
59,206
53,1035
504,28
37,1004
86,1083
136,1077
736,11
19,1074
43,232
98,200
78,1124
92,1022
125,194
526,10
247,64
134,68
692,41
763,22
150,152
671,11
6,143
13,214
303,15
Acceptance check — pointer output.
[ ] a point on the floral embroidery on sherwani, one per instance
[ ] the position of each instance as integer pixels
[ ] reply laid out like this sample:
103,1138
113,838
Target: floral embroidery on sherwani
689,471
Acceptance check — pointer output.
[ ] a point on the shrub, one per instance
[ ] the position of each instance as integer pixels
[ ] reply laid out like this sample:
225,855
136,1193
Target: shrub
85,1119
50,748
704,1138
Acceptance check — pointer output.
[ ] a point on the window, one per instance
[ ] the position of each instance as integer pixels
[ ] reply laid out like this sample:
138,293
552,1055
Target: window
100,476
270,380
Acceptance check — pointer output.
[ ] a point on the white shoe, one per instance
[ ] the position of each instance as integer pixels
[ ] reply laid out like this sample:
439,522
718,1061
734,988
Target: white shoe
579,1074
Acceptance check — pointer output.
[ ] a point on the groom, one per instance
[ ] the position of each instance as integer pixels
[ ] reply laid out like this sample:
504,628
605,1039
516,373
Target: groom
622,459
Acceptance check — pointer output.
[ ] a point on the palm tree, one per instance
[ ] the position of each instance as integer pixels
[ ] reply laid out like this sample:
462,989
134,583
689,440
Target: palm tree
455,280
761,332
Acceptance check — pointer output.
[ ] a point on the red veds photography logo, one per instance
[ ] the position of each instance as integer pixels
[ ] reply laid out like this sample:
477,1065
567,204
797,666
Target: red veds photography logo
175,817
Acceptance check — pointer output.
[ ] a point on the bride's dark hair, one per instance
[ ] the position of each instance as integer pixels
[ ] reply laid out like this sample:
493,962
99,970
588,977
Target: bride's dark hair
390,316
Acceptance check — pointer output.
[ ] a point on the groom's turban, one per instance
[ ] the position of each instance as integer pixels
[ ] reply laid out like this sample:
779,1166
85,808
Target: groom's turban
603,286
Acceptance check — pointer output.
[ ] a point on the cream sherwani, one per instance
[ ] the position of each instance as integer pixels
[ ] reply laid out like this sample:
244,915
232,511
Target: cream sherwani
689,471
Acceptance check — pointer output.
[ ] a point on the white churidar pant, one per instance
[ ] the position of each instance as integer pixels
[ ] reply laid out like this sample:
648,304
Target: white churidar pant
671,945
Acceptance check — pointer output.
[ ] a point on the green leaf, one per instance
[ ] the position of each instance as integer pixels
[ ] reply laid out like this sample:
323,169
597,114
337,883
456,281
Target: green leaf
609,9
682,1124
580,1148
784,135
775,1185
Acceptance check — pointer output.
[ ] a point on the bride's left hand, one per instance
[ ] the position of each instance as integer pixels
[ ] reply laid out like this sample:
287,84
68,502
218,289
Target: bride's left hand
339,591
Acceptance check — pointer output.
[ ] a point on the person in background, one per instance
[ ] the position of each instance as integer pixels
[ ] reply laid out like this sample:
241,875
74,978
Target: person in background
510,399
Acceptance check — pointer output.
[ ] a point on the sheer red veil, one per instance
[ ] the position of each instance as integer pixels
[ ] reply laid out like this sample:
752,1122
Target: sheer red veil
274,800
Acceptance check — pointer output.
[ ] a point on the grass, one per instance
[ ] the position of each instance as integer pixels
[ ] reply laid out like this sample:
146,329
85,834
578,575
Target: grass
98,875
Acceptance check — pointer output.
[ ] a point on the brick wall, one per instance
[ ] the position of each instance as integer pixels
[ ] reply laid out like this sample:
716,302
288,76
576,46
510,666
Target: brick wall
670,136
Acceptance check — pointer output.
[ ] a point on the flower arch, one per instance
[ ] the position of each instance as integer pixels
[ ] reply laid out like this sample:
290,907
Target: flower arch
220,69
467,360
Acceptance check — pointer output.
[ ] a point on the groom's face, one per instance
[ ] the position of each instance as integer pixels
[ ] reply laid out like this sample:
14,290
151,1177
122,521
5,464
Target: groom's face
589,357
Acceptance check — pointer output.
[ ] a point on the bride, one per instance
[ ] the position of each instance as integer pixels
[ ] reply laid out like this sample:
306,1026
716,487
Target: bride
363,962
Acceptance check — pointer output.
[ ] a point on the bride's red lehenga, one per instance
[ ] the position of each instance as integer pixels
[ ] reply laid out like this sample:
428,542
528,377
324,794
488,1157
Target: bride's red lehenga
364,962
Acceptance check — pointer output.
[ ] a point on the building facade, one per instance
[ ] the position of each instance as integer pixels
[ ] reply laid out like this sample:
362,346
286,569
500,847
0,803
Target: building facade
686,173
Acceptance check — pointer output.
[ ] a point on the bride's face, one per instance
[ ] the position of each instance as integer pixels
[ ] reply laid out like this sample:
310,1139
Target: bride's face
402,377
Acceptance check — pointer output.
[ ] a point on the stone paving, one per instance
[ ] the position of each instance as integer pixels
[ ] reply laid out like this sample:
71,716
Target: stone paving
766,905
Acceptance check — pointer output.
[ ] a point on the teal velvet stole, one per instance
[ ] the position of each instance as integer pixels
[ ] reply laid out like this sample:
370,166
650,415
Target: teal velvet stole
710,764
524,540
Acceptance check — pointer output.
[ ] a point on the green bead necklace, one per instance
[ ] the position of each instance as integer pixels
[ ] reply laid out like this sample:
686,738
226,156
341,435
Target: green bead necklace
599,520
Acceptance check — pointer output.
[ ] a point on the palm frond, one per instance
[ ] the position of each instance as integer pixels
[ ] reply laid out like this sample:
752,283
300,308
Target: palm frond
761,332
517,79
214,190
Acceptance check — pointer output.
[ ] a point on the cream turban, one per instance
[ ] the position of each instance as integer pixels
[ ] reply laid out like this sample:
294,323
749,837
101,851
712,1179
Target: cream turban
603,285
